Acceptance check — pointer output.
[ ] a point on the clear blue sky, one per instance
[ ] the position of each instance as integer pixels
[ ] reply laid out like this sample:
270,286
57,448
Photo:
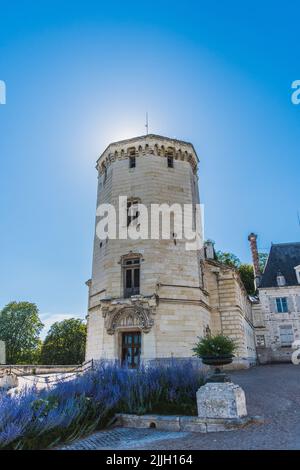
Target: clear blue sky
82,74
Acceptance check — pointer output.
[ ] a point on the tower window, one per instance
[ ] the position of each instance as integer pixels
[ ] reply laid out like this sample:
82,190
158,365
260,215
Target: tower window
105,175
131,277
170,161
132,162
132,212
131,151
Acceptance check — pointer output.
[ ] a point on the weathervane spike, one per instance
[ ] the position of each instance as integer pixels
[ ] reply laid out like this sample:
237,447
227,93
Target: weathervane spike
147,124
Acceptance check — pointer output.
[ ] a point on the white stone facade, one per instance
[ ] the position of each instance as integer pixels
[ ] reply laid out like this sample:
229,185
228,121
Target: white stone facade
271,325
174,304
277,313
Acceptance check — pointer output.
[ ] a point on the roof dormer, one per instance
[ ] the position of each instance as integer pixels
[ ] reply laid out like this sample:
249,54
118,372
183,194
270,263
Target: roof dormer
297,270
280,279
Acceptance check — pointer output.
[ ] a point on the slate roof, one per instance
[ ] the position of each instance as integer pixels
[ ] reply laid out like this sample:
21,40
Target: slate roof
283,257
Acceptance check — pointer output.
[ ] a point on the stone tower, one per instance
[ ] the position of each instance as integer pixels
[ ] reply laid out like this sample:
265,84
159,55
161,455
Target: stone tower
146,297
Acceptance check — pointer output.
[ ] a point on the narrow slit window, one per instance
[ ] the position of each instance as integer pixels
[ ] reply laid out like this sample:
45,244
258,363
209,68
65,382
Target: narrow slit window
132,162
170,161
105,175
132,212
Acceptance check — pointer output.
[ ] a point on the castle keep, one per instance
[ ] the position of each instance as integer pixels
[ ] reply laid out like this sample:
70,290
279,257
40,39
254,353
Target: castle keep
151,298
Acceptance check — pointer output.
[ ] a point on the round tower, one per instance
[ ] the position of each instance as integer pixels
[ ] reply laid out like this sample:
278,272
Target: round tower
146,297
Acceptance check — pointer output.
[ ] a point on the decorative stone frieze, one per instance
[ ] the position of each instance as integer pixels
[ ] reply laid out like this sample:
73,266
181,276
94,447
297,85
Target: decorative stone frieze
135,313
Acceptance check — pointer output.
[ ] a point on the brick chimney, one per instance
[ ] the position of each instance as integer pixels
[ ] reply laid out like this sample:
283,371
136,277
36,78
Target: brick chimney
255,259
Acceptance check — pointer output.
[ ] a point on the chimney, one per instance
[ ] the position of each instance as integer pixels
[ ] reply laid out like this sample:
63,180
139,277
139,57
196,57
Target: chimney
253,246
209,249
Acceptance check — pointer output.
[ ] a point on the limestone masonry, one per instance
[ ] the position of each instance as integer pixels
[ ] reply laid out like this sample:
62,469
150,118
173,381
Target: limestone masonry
276,313
151,299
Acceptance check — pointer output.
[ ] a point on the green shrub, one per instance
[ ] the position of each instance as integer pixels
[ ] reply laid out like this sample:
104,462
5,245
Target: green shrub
218,345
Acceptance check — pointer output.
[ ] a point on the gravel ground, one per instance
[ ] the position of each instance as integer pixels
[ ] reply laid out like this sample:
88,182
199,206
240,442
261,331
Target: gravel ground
272,391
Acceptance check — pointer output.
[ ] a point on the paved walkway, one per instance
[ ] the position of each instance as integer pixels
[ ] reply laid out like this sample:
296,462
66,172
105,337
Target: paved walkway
271,391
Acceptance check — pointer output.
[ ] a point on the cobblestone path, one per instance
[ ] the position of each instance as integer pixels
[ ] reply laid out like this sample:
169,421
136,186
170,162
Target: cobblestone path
122,438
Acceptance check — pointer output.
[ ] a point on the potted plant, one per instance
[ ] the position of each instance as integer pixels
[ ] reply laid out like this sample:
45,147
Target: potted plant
216,351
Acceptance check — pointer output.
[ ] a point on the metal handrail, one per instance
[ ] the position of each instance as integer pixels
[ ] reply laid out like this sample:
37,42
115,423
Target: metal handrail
45,379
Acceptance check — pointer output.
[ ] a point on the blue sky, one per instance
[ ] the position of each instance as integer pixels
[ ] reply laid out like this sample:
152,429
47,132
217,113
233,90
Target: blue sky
82,74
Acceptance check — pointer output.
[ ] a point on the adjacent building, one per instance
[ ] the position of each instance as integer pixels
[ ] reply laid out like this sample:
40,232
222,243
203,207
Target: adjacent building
276,314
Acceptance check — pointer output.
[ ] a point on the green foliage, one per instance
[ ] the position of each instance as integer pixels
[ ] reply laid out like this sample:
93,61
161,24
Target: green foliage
65,343
247,276
229,259
245,270
262,257
20,327
218,345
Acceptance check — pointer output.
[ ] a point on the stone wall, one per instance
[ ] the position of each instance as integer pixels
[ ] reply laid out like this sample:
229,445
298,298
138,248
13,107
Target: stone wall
2,353
231,310
268,322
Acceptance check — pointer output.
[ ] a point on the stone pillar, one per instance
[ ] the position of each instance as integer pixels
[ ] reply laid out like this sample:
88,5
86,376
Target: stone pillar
8,381
2,353
221,401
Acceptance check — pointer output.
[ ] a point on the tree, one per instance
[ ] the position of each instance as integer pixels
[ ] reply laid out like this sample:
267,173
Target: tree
245,270
20,327
229,259
65,343
262,257
247,276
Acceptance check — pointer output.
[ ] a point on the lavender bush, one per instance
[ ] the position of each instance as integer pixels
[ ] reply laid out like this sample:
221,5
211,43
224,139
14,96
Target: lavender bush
33,419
